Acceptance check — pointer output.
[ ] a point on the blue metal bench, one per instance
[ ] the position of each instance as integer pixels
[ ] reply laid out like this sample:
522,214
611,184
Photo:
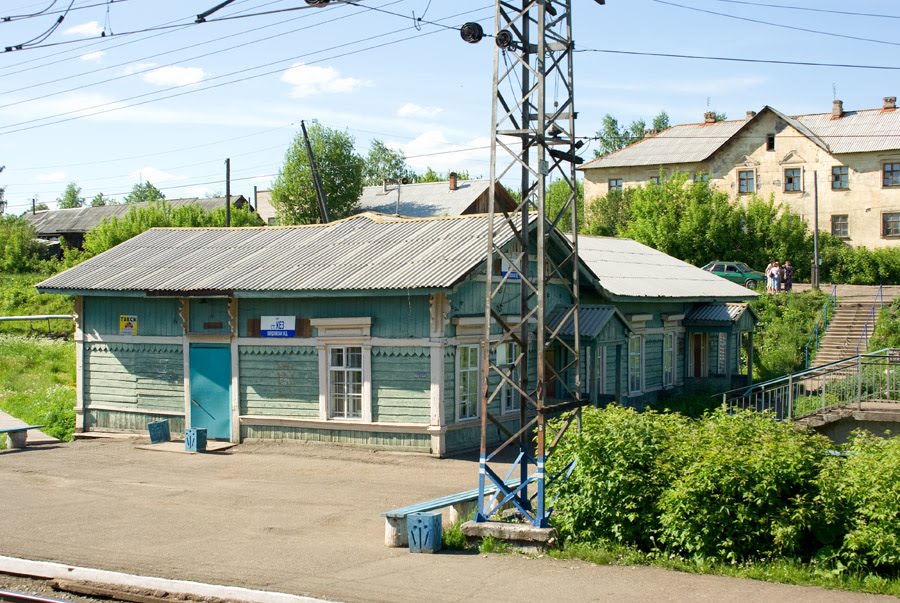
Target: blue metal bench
17,437
461,504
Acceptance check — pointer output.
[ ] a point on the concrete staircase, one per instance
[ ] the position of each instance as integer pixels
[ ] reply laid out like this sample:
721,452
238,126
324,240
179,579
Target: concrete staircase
843,332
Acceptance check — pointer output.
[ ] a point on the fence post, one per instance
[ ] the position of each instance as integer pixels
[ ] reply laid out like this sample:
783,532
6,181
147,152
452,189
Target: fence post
859,382
823,392
724,402
790,396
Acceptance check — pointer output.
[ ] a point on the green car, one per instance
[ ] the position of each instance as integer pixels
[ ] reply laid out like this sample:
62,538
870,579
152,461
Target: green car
738,272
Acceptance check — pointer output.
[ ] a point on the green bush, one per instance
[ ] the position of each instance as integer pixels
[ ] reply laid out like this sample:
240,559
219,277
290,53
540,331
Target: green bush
785,323
860,504
747,491
842,263
19,249
887,328
624,460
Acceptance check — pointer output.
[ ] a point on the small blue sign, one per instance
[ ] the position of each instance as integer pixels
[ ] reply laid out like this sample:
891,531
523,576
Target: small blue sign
277,326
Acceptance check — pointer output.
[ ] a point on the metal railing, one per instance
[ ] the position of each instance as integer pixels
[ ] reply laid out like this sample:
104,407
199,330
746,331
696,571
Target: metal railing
865,377
830,301
873,316
47,317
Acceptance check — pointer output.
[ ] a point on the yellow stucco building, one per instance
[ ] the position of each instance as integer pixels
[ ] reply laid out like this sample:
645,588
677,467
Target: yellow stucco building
854,156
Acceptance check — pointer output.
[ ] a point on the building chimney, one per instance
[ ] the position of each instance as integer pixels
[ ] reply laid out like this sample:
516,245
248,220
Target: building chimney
650,132
453,178
837,109
709,117
751,115
890,102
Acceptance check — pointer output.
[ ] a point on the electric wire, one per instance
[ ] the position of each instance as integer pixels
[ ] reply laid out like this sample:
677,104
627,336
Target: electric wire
812,10
780,25
47,11
35,42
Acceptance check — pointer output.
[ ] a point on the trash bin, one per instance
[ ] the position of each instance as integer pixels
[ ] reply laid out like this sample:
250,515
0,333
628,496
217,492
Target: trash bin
195,439
159,431
424,531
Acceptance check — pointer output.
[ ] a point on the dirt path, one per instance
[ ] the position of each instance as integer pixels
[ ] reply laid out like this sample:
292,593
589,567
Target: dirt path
301,519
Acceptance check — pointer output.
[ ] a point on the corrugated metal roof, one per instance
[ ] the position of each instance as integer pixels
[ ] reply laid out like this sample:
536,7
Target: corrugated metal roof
81,219
628,269
365,252
423,200
687,143
591,320
715,314
857,131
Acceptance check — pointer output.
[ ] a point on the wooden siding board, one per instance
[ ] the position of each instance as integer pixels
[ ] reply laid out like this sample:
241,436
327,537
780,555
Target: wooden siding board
653,361
401,384
128,422
213,310
148,376
156,317
281,381
399,441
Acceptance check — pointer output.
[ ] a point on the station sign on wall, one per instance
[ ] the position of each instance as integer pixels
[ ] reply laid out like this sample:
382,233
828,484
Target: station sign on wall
128,325
278,326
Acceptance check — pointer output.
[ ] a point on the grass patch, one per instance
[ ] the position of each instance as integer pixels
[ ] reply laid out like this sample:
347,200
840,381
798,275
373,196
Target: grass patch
18,297
37,382
783,571
452,539
489,544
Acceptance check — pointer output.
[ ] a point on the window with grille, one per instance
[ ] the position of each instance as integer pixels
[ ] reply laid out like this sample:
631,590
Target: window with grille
635,363
345,380
793,180
890,224
746,181
840,226
615,184
891,174
840,178
506,359
468,381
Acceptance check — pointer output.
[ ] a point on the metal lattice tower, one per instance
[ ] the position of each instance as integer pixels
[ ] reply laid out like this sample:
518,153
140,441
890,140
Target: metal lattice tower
534,138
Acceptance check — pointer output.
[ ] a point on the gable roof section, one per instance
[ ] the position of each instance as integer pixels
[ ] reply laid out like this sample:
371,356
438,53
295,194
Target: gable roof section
718,314
856,131
423,200
81,219
361,253
627,269
591,320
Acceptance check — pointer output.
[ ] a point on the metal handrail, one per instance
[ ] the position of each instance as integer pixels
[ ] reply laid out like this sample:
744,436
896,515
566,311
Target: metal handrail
814,336
879,300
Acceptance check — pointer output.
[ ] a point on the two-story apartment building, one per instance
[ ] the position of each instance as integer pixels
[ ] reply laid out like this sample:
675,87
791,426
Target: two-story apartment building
851,157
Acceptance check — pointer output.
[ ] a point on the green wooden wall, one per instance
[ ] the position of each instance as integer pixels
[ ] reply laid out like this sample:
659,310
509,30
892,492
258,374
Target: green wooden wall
205,314
156,317
129,376
418,442
401,384
279,381
105,420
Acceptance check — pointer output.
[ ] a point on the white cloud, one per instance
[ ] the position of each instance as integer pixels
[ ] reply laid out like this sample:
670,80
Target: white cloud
309,80
91,28
431,149
93,56
137,67
51,177
414,110
154,175
174,76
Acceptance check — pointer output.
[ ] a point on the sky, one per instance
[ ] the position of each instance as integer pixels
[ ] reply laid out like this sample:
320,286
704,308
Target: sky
170,104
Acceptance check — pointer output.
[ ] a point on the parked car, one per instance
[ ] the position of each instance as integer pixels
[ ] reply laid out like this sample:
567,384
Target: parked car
738,272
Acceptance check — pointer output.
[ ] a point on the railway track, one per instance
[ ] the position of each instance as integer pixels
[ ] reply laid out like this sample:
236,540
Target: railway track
14,597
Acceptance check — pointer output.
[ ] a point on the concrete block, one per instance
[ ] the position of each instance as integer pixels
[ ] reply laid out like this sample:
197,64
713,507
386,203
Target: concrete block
16,440
395,534
424,532
461,511
195,439
523,537
159,431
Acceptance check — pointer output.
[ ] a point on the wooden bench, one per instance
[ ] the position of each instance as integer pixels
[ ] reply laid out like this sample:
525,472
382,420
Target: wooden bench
17,437
461,504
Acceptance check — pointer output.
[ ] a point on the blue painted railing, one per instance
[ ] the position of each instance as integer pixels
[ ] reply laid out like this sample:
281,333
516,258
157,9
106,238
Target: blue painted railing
869,328
821,324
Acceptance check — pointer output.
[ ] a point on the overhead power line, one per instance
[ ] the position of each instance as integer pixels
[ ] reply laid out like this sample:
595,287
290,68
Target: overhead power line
47,11
669,55
780,25
812,10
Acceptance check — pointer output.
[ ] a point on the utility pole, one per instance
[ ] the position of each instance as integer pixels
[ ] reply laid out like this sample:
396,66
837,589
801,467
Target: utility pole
320,192
534,139
228,192
815,270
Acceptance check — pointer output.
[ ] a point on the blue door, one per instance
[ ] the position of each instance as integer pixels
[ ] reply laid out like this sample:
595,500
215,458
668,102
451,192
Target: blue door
211,389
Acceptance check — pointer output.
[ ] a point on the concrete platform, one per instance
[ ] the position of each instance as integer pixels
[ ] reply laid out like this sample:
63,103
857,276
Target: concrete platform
522,537
35,436
178,446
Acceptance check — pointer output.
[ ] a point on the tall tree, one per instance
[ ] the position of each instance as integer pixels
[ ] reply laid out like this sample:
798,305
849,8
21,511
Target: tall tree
144,191
430,175
340,170
71,198
557,195
100,200
611,136
384,163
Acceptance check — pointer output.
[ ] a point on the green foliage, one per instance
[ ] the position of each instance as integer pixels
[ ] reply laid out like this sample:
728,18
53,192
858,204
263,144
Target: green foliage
887,328
771,231
18,297
452,539
431,175
71,197
746,491
557,195
609,215
19,249
624,461
842,263
37,378
785,323
340,170
144,192
860,502
611,136
489,544
100,200
385,164
113,231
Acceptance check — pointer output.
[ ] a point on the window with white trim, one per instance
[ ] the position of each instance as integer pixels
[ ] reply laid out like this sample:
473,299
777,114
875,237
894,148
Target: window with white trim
668,359
746,182
635,363
506,360
345,382
468,381
723,347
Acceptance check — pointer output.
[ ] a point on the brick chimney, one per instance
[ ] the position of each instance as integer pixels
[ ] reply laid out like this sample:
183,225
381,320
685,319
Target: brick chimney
650,132
453,181
709,117
890,102
751,115
837,109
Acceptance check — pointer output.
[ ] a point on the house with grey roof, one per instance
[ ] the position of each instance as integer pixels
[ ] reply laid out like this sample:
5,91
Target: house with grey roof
851,157
71,225
365,331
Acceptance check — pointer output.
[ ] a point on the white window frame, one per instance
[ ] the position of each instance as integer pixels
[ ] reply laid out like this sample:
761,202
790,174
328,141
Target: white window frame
473,405
722,354
350,332
507,353
796,184
601,370
668,357
348,372
639,355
